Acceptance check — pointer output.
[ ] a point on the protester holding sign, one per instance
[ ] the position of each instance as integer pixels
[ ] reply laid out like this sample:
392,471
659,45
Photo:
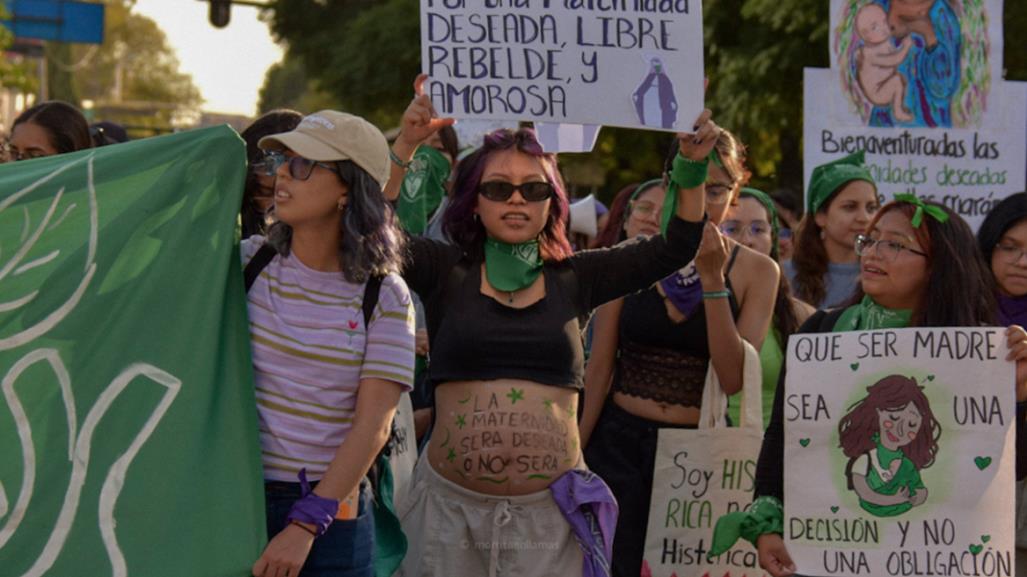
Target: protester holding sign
840,201
502,483
753,222
919,268
654,348
328,374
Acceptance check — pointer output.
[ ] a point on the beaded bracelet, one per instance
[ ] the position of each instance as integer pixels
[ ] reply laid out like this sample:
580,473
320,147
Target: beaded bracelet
396,160
706,295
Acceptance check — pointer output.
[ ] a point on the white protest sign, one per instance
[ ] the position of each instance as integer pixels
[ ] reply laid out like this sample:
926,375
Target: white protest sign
918,85
567,137
631,63
899,453
699,476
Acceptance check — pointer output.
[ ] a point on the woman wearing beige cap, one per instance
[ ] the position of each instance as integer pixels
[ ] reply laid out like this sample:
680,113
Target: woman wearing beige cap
333,342
501,488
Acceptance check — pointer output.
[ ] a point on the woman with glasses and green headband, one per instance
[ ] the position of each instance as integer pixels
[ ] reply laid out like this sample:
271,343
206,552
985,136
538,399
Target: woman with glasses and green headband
503,467
840,201
919,267
331,325
753,222
651,350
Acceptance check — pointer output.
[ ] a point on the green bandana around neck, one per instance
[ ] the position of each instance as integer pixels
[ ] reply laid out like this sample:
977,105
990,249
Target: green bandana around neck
422,190
826,179
868,316
511,267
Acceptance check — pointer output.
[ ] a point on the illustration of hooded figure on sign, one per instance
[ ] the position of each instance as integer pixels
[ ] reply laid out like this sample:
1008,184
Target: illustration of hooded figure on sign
655,103
889,437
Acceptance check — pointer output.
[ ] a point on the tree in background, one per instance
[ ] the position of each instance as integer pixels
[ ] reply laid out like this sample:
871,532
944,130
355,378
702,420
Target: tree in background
133,78
13,73
286,85
365,53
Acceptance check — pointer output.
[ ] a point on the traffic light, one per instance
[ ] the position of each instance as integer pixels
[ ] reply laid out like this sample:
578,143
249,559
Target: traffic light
220,12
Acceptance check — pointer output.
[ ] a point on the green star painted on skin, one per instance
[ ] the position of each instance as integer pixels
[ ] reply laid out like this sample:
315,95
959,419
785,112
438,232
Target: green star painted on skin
571,410
461,421
548,403
515,395
451,456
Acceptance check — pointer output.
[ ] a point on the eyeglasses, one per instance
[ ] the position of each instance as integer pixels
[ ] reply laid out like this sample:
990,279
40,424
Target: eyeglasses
642,208
735,228
299,168
501,191
13,154
1010,253
886,249
718,193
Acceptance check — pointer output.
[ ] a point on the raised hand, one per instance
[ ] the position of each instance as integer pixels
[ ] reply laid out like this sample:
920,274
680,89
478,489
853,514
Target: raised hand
420,119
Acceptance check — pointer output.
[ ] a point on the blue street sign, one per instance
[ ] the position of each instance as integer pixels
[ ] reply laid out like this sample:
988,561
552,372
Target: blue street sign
57,20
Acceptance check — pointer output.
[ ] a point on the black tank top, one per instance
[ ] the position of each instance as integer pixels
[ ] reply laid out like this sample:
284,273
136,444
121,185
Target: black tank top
660,359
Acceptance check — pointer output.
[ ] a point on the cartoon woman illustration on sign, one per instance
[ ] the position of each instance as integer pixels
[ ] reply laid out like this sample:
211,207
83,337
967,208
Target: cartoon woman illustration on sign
936,49
889,437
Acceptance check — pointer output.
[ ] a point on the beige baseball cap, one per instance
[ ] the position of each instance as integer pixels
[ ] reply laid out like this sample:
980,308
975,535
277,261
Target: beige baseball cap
330,135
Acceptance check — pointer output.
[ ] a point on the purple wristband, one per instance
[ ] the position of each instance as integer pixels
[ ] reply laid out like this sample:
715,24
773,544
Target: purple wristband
310,508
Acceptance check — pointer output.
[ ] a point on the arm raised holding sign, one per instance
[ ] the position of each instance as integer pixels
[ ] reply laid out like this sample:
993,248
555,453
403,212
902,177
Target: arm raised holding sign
919,268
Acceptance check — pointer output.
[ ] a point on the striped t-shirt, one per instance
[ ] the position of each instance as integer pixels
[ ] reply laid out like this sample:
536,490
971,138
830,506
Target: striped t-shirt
310,350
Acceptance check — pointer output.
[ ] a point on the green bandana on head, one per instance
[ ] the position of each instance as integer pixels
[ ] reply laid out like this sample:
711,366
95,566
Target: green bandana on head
768,205
423,188
828,178
511,267
868,316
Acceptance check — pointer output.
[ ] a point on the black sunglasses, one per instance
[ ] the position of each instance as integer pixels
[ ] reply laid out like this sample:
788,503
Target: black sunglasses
501,191
299,168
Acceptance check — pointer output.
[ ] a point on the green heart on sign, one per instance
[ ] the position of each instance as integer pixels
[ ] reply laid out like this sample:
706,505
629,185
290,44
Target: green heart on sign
976,549
854,366
834,509
982,462
985,538
804,442
930,377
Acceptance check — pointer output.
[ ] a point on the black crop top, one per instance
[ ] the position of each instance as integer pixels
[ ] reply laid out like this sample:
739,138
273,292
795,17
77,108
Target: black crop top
660,359
474,337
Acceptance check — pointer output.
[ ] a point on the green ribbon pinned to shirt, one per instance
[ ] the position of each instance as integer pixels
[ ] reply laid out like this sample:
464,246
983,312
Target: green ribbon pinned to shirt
511,267
934,211
868,316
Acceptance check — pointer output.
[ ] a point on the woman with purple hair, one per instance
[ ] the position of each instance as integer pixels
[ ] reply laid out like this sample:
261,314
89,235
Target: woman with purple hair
501,488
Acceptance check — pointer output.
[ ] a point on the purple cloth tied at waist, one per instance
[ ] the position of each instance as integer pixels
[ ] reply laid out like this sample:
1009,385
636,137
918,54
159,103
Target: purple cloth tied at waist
591,510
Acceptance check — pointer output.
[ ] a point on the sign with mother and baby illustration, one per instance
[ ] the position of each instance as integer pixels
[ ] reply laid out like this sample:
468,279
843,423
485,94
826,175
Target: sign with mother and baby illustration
899,453
918,85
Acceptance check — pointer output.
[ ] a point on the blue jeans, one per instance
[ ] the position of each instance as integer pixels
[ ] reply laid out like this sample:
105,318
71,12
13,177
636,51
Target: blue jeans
345,550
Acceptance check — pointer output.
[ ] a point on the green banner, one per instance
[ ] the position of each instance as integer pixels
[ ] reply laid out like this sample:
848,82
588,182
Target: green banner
128,429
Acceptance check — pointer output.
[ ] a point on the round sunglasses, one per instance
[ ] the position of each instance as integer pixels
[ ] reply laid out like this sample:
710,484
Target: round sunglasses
299,168
501,191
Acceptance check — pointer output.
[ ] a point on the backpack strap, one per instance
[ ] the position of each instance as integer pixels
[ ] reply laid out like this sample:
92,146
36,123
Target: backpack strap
260,260
371,291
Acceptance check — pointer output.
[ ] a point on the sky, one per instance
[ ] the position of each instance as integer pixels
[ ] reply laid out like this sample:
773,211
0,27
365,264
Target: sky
227,64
